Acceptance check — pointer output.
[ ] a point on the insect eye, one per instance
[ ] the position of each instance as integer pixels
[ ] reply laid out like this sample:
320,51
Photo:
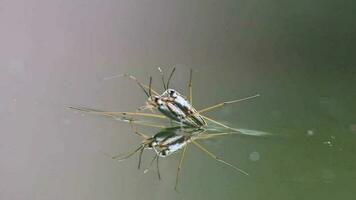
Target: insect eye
172,93
156,98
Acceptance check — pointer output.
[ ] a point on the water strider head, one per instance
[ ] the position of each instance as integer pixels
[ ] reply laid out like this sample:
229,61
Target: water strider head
155,101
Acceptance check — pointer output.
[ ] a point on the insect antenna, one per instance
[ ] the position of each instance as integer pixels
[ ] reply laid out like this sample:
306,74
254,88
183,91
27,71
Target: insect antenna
170,76
190,87
149,87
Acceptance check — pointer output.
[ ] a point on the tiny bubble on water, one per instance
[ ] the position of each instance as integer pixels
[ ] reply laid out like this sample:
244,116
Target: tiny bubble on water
254,156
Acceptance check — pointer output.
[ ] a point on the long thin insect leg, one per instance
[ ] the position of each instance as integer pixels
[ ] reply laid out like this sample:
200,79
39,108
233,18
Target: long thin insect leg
134,129
140,158
227,102
121,158
136,114
180,166
217,158
146,137
218,123
142,134
116,114
132,78
208,136
158,173
190,87
147,124
142,86
149,167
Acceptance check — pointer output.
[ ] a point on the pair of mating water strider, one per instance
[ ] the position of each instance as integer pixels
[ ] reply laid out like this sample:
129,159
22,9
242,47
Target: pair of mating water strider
190,126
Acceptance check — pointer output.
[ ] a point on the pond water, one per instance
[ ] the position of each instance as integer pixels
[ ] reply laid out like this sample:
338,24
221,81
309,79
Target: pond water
297,55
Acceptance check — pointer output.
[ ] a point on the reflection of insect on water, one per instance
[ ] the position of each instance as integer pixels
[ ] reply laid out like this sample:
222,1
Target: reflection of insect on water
176,107
170,140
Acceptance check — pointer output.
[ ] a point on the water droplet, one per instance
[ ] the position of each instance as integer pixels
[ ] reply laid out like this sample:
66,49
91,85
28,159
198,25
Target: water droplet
329,143
254,156
310,133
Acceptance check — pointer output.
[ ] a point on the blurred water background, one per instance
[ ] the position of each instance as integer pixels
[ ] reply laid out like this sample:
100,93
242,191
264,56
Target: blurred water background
299,55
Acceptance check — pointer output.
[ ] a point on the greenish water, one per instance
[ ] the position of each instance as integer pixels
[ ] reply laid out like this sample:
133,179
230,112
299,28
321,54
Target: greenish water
310,154
298,55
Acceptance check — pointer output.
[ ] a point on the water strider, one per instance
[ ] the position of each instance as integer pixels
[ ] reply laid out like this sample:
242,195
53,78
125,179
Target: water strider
175,106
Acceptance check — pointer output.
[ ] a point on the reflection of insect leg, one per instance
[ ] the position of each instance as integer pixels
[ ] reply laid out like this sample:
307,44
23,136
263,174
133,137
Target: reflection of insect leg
121,158
140,148
217,158
140,158
156,157
180,165
147,139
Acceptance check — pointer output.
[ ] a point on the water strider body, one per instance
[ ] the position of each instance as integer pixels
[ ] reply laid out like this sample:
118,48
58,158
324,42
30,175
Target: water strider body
176,107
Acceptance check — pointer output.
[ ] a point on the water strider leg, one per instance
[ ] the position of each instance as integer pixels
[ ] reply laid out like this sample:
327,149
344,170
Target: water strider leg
142,85
218,123
115,114
208,136
148,168
180,166
158,173
140,158
227,102
217,158
136,114
121,158
118,116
